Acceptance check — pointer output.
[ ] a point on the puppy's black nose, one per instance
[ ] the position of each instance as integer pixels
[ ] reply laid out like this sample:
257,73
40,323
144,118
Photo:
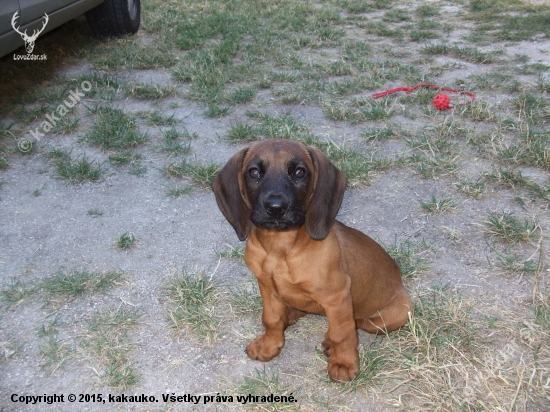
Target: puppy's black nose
275,206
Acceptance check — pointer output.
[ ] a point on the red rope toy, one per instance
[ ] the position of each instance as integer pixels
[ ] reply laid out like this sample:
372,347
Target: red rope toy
441,101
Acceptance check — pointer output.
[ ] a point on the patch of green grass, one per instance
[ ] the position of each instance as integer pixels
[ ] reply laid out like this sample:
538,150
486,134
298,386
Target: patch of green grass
16,293
143,91
113,129
425,29
75,171
234,253
438,204
124,157
427,10
64,286
129,52
533,149
433,145
240,95
159,119
379,134
511,229
534,107
504,20
338,68
278,127
471,54
58,155
508,178
246,300
217,111
177,191
106,341
373,361
516,265
355,6
328,36
355,50
539,192
172,141
543,83
479,111
242,132
230,25
359,110
288,59
382,29
53,351
126,241
66,125
430,167
397,16
105,86
357,167
200,174
474,188
284,77
193,299
209,71
137,170
347,86
492,81
264,382
450,128
410,257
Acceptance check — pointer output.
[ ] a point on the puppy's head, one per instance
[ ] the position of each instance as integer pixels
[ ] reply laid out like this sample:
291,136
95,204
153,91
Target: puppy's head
280,184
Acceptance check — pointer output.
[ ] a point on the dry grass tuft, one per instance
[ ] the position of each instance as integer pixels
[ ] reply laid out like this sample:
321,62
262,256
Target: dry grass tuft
447,360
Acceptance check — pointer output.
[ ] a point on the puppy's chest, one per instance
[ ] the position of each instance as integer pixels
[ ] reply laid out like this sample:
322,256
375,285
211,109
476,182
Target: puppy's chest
275,273
284,282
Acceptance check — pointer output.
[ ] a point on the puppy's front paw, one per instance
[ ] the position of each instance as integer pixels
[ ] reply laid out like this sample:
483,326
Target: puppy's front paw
342,370
263,348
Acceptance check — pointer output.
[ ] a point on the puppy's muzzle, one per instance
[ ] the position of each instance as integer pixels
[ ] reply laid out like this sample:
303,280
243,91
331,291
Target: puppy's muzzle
277,211
275,206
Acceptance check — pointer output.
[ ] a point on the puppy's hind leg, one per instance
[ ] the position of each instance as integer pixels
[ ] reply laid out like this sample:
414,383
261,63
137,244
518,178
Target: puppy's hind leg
390,317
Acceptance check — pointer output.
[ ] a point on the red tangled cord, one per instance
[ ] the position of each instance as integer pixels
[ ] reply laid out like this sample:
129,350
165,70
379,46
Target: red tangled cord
441,101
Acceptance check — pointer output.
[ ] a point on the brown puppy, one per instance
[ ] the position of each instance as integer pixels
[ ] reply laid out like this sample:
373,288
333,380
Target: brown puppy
284,196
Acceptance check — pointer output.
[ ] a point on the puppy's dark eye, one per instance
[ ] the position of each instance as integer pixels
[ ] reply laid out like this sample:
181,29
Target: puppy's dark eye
299,172
254,173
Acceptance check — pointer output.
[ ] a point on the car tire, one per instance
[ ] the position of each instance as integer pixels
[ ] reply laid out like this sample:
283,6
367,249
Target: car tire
115,17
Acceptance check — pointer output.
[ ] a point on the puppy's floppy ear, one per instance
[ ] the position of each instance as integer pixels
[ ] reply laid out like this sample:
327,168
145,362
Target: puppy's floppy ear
227,188
329,185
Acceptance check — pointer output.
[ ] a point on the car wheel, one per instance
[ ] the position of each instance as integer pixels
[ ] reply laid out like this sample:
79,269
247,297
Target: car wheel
115,17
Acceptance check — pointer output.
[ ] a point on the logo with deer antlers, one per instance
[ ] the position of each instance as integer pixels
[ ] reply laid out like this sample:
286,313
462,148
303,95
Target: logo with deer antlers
29,40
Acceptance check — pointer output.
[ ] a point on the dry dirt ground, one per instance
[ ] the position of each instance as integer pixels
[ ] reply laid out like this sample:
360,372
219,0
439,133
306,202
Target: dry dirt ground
481,339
